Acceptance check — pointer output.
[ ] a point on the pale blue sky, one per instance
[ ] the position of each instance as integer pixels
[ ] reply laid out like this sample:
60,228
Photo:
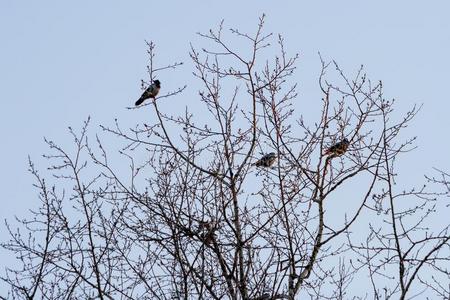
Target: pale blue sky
61,62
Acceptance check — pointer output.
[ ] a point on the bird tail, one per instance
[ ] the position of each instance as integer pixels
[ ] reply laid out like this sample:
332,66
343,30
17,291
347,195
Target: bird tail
139,102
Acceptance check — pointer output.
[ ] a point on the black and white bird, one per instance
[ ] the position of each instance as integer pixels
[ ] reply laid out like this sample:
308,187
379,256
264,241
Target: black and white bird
338,149
266,161
150,92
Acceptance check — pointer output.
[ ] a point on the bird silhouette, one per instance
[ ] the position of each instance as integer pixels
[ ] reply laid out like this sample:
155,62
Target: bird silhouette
266,161
150,92
338,148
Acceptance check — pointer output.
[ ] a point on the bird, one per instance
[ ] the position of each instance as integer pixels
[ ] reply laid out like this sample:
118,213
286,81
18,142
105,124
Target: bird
150,92
266,161
206,231
338,148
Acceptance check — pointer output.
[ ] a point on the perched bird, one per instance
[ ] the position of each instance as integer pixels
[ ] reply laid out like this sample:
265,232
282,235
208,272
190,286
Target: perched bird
266,161
150,92
338,148
206,231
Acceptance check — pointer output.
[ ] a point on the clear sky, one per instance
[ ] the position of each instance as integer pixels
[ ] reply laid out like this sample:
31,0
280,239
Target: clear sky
61,62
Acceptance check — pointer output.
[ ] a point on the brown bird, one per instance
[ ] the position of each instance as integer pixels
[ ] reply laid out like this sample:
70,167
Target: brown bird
150,92
338,149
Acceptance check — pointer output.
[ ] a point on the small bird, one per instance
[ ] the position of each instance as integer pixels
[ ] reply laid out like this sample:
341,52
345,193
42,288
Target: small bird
150,92
206,231
266,161
338,148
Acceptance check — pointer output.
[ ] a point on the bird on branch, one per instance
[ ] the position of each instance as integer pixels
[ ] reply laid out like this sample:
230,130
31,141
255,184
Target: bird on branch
150,92
338,149
266,161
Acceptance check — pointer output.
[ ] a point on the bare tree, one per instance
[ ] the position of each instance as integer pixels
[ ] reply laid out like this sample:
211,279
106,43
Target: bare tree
247,199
